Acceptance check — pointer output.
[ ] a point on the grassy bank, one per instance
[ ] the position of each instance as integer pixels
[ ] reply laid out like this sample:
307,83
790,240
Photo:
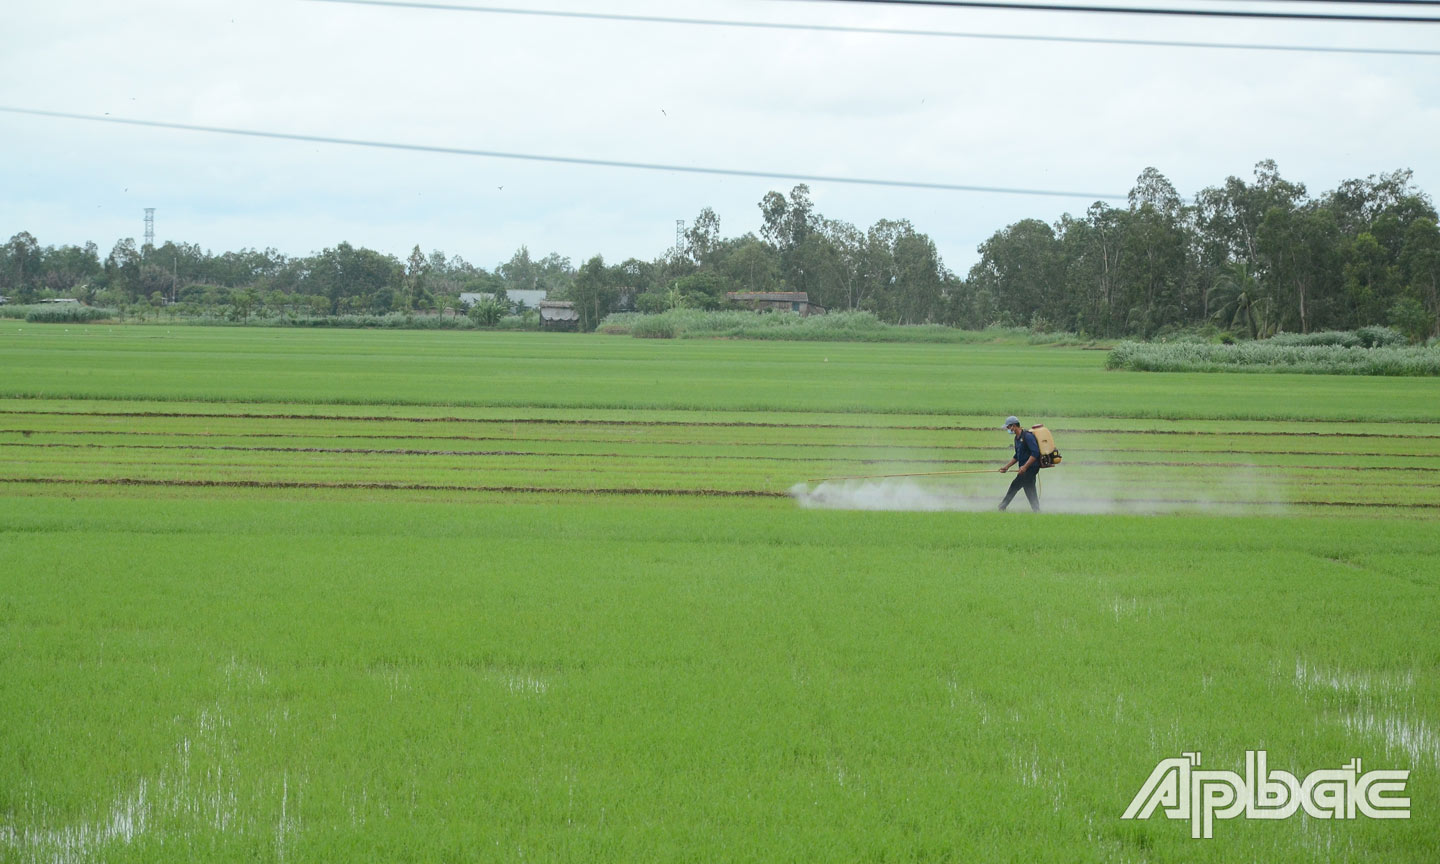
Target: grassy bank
350,367
1306,359
834,327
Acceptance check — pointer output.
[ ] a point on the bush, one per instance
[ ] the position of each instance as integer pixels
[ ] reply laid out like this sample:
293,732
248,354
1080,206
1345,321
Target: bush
1365,337
1411,318
1271,357
528,320
652,303
653,327
394,321
487,313
18,311
68,314
834,327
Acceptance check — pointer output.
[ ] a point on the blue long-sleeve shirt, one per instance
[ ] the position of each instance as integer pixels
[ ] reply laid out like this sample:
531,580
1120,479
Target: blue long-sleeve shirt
1025,447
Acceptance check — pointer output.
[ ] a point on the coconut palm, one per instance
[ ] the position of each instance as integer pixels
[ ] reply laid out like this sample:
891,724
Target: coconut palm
1240,301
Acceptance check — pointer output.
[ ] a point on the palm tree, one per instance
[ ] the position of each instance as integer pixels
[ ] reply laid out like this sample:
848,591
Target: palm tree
1240,301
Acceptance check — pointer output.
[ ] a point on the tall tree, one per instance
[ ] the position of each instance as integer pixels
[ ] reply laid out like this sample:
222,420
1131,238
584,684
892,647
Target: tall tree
702,238
594,292
751,265
1420,265
1370,280
1154,270
22,261
1299,249
1229,216
417,272
122,268
1021,270
519,273
787,225
67,268
350,277
844,257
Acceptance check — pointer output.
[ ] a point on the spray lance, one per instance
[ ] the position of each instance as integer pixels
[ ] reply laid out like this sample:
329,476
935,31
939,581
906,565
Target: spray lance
887,476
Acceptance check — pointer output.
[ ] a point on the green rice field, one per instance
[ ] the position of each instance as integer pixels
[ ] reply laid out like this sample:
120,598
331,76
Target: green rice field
290,595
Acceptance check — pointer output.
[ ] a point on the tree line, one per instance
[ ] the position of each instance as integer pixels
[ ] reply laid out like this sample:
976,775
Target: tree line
1251,258
336,281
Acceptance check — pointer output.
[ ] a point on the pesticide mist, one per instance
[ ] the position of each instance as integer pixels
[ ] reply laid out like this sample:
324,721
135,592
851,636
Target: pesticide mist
1087,491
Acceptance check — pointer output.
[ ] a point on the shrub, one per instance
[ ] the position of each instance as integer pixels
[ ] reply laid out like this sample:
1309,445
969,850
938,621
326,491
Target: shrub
1365,337
653,327
652,302
68,314
487,313
18,311
1271,357
352,322
525,321
834,327
1411,318
1379,337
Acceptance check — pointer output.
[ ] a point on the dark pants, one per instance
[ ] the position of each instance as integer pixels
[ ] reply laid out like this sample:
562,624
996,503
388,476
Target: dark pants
1024,481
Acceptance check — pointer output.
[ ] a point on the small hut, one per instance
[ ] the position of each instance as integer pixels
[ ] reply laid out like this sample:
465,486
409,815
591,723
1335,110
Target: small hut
776,301
558,315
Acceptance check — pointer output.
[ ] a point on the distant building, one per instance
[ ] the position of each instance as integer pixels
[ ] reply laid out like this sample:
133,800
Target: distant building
60,300
776,301
528,299
4,300
558,315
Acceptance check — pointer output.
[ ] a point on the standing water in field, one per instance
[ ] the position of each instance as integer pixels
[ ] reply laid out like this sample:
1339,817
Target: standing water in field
1230,492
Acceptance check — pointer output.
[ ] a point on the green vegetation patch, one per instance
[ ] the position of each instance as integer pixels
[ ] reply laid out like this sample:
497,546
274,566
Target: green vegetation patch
1317,359
313,595
833,327
57,313
257,677
445,370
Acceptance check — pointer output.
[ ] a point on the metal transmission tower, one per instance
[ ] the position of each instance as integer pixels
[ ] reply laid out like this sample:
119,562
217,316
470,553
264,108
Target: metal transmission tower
679,237
150,227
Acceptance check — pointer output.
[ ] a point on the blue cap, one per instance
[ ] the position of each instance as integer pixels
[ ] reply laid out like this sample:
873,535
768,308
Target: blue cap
1012,420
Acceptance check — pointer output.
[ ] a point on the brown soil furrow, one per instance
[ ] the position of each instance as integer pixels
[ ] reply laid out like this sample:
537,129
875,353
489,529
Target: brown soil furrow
403,487
723,493
712,457
814,445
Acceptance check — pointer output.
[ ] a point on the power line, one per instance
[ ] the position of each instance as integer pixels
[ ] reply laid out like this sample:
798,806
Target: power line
1350,2
568,160
1144,10
882,31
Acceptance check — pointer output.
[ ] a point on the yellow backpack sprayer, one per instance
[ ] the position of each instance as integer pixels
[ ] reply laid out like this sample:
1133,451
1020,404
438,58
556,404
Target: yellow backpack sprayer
1049,455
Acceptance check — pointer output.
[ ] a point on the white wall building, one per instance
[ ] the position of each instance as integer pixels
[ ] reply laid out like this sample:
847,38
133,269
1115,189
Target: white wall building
530,299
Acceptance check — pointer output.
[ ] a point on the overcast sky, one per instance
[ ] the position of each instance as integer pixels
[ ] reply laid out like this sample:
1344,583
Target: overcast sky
945,110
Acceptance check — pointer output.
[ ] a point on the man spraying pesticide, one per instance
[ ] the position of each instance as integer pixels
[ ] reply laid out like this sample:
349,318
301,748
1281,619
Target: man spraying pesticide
1031,455
1034,449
